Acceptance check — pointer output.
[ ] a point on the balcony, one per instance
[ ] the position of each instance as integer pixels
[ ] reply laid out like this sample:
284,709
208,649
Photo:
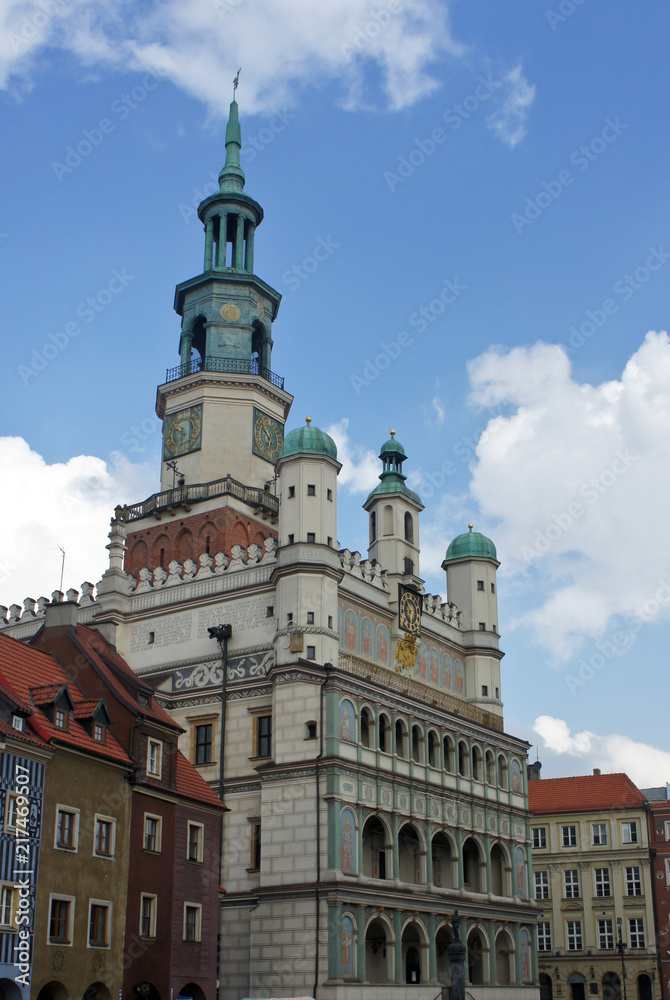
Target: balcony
233,366
264,501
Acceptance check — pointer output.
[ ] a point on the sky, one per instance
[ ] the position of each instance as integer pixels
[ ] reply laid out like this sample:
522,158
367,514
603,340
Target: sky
486,184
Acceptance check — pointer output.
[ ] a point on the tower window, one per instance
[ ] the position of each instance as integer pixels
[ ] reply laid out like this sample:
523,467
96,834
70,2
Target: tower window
409,527
485,690
311,490
373,527
409,566
329,541
493,588
480,584
206,545
310,617
291,492
291,539
497,692
311,537
289,618
310,731
270,611
311,652
162,559
329,494
330,621
482,626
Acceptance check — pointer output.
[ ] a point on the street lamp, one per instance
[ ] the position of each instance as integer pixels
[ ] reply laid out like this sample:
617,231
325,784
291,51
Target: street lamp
621,947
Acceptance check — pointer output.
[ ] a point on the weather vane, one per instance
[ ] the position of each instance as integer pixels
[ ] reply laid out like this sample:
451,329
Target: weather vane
236,82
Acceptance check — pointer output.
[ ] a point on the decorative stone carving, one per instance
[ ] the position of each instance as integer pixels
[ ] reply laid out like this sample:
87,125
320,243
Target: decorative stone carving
28,608
14,613
174,568
254,553
87,597
205,569
3,614
190,569
160,576
270,546
57,597
236,560
220,563
145,580
72,595
42,605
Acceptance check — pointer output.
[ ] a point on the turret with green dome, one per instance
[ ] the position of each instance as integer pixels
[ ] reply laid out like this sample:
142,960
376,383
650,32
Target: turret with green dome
471,543
392,477
308,440
470,564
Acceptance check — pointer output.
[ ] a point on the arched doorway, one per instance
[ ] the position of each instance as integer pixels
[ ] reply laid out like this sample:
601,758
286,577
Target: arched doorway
498,866
443,864
443,939
145,991
191,992
644,987
611,986
504,958
476,965
471,866
374,848
577,984
9,990
97,991
409,858
53,991
546,987
378,952
412,950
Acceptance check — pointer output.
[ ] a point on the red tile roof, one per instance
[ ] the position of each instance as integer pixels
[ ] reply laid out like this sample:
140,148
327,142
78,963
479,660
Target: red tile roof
46,694
192,785
26,668
86,709
587,793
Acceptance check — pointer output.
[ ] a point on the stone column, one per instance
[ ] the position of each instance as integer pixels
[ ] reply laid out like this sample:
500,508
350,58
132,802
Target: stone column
209,243
397,930
221,246
186,346
335,938
517,953
493,961
429,854
333,833
360,943
249,259
487,853
456,952
432,948
239,243
459,848
396,852
359,840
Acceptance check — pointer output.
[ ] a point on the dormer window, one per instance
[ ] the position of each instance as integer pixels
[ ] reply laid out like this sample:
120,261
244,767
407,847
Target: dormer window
60,719
17,723
142,699
98,732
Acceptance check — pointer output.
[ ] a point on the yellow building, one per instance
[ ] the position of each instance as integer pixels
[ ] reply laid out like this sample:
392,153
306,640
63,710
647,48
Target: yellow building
591,869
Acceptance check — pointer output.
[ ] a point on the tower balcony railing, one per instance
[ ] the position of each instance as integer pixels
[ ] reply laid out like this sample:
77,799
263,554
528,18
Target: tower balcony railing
202,491
235,366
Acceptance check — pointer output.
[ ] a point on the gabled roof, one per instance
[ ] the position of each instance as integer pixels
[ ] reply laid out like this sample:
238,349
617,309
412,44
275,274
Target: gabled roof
586,793
192,785
27,669
89,709
47,694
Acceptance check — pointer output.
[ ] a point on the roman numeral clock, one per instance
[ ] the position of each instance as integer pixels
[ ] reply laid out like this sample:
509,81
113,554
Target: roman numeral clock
267,436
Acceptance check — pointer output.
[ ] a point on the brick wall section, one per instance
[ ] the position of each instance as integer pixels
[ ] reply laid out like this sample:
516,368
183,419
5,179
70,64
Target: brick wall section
184,538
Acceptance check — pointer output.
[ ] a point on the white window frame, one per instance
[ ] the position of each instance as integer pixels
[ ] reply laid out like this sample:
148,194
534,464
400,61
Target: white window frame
159,833
636,932
667,872
633,880
112,839
607,934
74,811
153,917
544,935
70,929
542,882
667,829
201,842
11,797
574,886
608,878
12,889
599,830
575,934
108,927
627,829
198,923
569,826
158,745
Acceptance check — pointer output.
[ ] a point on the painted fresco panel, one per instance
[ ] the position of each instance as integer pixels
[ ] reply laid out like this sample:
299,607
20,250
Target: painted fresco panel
347,841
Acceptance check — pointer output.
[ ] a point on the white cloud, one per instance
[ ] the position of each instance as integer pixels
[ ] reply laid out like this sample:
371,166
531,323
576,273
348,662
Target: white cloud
645,765
508,122
199,44
360,466
577,479
64,504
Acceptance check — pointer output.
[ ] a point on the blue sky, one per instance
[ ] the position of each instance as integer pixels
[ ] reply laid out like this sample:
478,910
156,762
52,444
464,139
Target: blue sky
491,182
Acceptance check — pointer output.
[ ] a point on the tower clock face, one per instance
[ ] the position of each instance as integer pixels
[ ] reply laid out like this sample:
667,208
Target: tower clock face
409,610
183,432
268,436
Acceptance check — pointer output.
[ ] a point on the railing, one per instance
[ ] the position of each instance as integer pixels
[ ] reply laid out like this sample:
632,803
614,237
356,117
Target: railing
203,491
235,366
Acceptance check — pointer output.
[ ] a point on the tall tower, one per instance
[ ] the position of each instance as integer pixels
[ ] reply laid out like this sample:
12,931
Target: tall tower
223,408
394,520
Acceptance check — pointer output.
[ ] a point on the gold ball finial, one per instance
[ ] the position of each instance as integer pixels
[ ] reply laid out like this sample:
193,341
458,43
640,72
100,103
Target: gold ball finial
392,432
308,420
471,526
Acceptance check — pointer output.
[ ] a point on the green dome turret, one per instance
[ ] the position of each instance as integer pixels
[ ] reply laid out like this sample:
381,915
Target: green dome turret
471,544
392,477
308,440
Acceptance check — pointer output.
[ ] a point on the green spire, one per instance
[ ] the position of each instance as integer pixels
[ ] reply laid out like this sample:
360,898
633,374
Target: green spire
392,477
232,176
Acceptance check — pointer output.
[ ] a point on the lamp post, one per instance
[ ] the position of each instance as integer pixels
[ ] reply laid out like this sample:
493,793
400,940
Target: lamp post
621,947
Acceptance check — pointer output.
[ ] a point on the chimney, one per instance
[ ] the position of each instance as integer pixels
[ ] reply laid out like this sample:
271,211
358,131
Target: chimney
533,771
596,770
64,614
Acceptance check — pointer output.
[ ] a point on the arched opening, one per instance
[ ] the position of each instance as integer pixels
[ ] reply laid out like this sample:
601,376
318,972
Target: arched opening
208,538
471,866
412,955
577,985
498,880
388,519
443,939
53,991
373,527
449,752
191,990
477,766
146,991
502,771
198,341
97,991
644,987
239,535
546,987
409,854
463,759
139,558
378,953
161,552
9,990
504,958
184,546
417,743
374,848
384,733
490,768
400,738
433,749
443,861
475,958
367,722
409,528
611,987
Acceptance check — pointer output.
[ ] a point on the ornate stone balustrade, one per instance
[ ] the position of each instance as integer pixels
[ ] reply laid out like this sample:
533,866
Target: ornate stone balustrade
206,567
33,609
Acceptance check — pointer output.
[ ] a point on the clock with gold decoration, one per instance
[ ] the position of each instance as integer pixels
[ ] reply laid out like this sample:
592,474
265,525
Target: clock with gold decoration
267,436
183,432
409,610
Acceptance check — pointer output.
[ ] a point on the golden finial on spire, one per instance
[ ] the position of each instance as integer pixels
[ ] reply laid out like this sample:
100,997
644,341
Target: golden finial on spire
308,420
392,433
471,526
